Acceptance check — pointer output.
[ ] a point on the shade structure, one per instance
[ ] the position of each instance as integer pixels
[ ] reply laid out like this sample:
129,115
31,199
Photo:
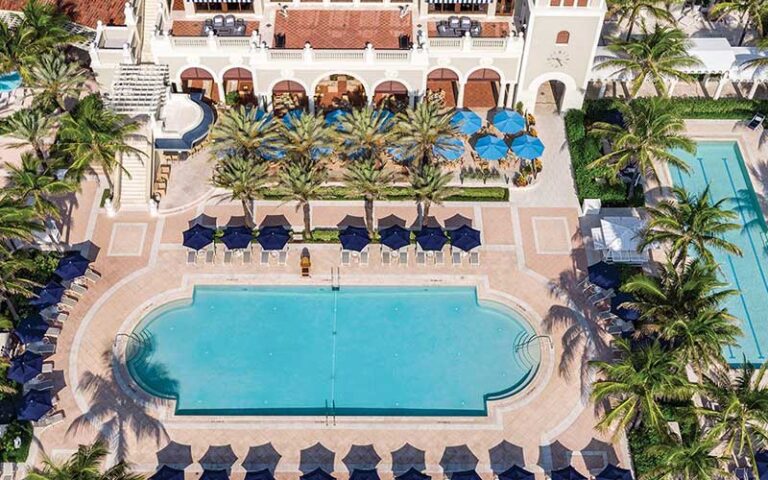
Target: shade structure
395,237
335,117
431,238
71,266
273,238
465,238
466,121
528,147
516,472
168,473
413,474
34,405
567,473
32,329
465,475
491,147
604,275
364,474
761,461
612,472
198,237
290,118
25,367
237,237
263,474
508,121
214,475
449,149
354,238
624,313
317,474
49,295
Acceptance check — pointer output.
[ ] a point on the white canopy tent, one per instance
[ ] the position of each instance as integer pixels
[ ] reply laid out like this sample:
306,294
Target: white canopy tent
618,238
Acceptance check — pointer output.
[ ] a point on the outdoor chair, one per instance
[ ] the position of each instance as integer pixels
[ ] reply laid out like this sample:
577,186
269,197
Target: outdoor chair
229,21
475,30
53,332
346,257
455,258
601,295
191,257
246,256
210,255
454,22
403,260
421,257
76,288
465,23
364,257
474,258
756,121
282,256
386,256
264,257
92,275
68,301
439,257
443,30
49,420
42,348
40,386
228,254
47,368
218,21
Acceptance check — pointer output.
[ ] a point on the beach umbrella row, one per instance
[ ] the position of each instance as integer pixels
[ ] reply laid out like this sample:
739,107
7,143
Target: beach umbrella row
528,147
466,122
48,295
509,122
234,237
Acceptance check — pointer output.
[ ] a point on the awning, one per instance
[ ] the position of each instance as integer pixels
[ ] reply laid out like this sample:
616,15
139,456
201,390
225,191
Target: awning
473,2
221,1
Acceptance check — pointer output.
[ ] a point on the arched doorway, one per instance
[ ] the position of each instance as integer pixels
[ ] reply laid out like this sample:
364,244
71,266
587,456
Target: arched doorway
549,97
199,80
443,83
483,89
238,80
288,95
391,95
340,90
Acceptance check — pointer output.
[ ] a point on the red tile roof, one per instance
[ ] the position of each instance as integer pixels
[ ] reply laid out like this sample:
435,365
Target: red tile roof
83,12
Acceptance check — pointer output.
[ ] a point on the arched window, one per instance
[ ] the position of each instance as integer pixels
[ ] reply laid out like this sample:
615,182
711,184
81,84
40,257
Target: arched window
563,37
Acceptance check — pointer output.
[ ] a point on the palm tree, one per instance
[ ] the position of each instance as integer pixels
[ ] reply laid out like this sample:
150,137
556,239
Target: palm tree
364,133
53,80
741,416
85,464
752,12
430,185
308,137
369,180
7,387
17,221
658,56
243,178
246,132
631,10
691,223
699,341
93,136
31,128
650,130
689,459
13,281
34,183
421,130
303,181
636,384
758,62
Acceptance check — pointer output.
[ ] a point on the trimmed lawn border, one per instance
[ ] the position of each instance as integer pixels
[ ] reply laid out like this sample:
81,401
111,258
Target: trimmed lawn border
460,194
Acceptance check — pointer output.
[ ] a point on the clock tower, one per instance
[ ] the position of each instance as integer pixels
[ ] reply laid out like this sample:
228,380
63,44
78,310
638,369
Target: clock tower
560,43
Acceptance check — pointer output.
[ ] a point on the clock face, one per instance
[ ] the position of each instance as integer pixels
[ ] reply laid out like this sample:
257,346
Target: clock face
559,58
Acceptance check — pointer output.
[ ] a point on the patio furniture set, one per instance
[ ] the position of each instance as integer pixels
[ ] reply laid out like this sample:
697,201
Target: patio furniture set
458,27
224,26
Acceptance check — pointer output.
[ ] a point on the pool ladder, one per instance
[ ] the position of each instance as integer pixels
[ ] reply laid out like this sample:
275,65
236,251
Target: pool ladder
335,280
330,413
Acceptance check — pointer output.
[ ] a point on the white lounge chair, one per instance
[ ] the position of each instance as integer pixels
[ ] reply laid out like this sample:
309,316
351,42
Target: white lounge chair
228,254
421,257
282,256
386,256
439,257
474,258
77,289
42,348
264,257
455,257
38,385
247,256
364,257
47,368
403,260
191,257
49,420
756,121
210,255
53,332
68,301
92,275
346,257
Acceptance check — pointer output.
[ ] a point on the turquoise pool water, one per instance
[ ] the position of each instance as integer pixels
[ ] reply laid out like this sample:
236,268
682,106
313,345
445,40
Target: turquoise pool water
721,166
314,351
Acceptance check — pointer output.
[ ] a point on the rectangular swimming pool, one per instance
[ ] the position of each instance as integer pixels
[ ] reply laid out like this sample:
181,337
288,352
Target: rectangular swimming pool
721,166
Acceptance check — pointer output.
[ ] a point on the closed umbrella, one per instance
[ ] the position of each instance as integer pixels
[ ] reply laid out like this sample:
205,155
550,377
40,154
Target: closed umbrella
49,295
32,329
508,121
168,473
527,147
491,147
567,473
431,238
71,266
395,237
465,238
237,237
198,237
449,148
516,472
628,314
34,405
467,122
612,472
354,238
273,238
25,367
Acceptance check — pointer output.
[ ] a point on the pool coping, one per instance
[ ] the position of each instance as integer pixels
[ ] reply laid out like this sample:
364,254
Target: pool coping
164,409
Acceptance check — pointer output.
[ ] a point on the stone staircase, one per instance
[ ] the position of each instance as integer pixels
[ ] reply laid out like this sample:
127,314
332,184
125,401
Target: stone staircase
139,89
135,184
150,20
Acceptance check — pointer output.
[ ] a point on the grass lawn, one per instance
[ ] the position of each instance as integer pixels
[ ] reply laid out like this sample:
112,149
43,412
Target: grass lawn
465,194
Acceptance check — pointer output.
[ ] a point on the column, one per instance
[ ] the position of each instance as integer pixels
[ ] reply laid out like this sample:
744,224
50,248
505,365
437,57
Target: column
460,97
719,90
491,12
671,87
510,97
311,103
502,93
601,91
411,98
753,90
220,89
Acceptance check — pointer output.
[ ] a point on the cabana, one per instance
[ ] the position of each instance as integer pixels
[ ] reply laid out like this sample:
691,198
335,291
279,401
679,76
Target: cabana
618,239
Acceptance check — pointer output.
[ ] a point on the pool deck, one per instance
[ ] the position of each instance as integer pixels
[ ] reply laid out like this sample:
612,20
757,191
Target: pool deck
531,259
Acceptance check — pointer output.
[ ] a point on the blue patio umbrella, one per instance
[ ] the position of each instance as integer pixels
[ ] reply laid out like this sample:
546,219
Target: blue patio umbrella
624,313
291,117
431,238
364,474
567,473
467,122
612,472
465,238
219,474
319,152
31,329
465,475
335,117
264,474
386,117
10,81
761,461
354,238
25,367
449,148
34,405
516,472
395,237
273,154
527,147
604,275
49,295
273,238
237,237
168,473
71,266
317,474
508,121
398,154
198,237
491,147
413,474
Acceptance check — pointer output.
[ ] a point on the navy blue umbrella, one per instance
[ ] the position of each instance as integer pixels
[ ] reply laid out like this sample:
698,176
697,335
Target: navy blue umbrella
237,237
34,405
465,475
367,474
516,472
431,238
465,238
260,475
624,313
25,367
317,474
612,472
273,238
32,329
49,295
214,475
395,237
761,460
413,474
168,473
198,237
71,266
604,275
567,473
354,238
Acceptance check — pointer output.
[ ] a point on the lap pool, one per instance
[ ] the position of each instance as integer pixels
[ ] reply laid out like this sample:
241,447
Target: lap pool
721,166
315,351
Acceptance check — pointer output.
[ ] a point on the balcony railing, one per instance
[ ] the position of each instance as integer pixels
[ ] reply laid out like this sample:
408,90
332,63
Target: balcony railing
468,43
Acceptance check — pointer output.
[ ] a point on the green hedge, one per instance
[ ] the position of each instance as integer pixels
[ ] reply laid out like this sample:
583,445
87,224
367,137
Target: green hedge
466,194
643,438
16,455
694,108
